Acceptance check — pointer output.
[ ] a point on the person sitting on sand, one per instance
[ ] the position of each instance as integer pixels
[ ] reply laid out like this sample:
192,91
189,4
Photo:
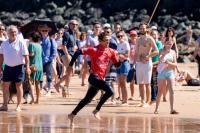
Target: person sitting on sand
187,77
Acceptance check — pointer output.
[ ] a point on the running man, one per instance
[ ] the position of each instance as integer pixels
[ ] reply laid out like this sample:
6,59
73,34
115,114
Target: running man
100,58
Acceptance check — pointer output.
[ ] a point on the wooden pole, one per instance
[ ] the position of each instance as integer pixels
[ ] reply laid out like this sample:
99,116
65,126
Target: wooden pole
154,11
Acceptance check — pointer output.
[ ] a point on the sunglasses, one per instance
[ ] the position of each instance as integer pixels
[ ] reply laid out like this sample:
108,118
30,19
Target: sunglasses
120,36
108,32
44,30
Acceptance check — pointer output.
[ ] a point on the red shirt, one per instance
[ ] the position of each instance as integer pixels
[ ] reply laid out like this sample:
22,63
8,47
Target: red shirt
100,58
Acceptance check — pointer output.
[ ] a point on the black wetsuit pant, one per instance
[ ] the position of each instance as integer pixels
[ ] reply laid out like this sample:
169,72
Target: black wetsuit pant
96,84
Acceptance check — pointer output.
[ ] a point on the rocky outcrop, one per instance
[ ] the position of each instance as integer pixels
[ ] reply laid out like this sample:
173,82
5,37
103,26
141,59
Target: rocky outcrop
176,13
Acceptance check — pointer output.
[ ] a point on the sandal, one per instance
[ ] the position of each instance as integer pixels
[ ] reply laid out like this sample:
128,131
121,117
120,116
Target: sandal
174,112
155,112
3,108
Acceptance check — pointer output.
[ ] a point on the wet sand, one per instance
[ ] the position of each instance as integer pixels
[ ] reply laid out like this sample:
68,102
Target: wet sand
51,114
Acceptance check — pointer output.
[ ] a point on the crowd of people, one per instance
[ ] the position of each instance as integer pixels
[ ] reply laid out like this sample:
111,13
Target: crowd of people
107,53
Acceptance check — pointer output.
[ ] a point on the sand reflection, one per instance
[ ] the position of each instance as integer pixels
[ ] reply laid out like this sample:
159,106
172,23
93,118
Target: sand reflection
40,123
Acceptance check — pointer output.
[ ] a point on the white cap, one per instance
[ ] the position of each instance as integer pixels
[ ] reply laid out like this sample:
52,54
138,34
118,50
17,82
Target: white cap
106,25
154,28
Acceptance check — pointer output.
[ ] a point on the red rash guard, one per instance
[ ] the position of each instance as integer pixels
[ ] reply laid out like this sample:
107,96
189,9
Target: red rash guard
100,58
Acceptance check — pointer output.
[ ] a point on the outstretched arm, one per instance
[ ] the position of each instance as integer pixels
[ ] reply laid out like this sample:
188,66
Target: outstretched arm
74,57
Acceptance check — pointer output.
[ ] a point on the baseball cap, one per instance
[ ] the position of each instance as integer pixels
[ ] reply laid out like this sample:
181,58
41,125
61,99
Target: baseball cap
106,25
133,32
154,28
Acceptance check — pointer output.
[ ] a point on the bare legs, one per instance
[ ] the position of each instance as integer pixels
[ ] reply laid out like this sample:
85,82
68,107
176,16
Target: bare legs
148,94
4,107
161,85
37,90
84,71
165,90
132,89
170,86
19,95
122,85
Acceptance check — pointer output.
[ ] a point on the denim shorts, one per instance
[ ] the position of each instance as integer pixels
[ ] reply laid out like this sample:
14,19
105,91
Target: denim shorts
166,74
14,74
124,68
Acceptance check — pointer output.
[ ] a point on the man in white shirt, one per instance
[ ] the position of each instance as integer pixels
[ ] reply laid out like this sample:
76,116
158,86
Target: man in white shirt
14,54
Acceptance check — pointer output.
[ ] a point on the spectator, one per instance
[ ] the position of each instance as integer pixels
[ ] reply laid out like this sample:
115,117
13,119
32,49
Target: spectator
197,55
35,53
69,46
14,70
145,44
166,74
187,77
49,53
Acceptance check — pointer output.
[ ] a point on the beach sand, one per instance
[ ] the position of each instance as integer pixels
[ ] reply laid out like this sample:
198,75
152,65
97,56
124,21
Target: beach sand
39,117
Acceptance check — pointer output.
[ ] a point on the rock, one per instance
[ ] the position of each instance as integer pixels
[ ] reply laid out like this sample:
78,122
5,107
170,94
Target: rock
197,25
126,24
50,6
90,11
32,14
183,59
66,14
196,33
186,59
143,11
141,18
69,3
135,25
21,15
81,12
181,26
163,11
58,19
60,10
42,14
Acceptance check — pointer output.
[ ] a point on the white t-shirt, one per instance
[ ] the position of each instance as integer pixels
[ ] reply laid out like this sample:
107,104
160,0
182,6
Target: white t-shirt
82,44
13,53
122,48
59,43
92,40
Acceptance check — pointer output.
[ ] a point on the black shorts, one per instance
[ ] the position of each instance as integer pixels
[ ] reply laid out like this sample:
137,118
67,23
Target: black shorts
14,74
193,82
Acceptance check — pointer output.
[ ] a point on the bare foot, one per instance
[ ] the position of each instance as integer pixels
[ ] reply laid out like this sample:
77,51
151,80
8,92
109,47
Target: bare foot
18,109
155,112
31,102
164,99
96,114
57,86
65,92
140,105
3,108
145,105
11,101
36,102
71,119
152,102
